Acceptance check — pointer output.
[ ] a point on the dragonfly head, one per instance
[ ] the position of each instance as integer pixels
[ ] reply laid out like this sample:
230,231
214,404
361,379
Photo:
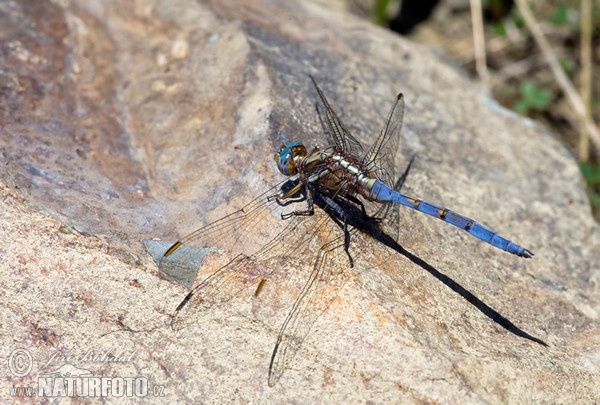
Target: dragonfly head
286,157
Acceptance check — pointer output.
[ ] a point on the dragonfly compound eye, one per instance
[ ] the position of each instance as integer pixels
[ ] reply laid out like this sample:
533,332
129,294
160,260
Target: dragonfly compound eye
285,157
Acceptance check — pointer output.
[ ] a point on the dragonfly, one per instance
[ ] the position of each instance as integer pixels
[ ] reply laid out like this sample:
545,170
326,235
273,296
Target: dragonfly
336,193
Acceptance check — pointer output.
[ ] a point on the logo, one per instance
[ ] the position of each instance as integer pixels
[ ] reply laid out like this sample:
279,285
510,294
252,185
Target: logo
64,375
20,363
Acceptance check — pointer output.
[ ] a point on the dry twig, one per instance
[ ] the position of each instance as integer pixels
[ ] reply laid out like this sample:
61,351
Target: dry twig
586,76
479,43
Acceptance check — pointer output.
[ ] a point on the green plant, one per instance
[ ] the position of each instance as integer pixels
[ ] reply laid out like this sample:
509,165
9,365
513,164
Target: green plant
560,16
591,174
379,12
532,97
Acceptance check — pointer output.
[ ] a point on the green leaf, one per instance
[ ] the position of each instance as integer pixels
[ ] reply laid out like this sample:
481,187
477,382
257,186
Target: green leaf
521,107
560,15
591,173
532,97
379,11
497,29
517,18
542,99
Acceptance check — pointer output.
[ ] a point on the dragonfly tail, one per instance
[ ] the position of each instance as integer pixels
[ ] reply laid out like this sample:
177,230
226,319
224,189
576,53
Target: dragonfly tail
381,192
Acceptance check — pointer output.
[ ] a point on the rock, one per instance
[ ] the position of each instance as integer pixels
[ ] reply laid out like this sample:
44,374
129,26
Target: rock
130,121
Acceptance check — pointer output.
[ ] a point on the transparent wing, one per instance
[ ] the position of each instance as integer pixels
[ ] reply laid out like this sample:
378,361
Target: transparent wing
381,155
229,232
321,288
236,276
330,273
301,240
380,159
336,131
248,237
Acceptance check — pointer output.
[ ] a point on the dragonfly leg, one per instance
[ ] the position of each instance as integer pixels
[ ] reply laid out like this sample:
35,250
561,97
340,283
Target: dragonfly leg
287,197
359,203
347,242
301,213
309,201
342,214
286,201
365,216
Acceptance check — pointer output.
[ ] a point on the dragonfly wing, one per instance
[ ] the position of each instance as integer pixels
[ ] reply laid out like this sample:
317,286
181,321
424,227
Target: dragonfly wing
246,239
338,134
217,289
228,232
244,231
382,153
244,271
380,159
322,287
295,241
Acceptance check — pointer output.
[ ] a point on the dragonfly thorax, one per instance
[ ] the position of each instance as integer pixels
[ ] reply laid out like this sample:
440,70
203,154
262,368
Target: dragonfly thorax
287,156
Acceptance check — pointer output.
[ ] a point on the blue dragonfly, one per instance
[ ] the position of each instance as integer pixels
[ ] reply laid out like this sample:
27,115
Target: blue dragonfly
342,170
344,191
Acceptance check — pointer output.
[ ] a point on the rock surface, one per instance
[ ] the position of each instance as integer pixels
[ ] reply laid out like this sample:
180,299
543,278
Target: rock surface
126,121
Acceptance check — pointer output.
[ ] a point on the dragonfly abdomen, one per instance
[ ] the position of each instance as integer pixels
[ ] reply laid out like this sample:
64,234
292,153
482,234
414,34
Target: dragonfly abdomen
382,193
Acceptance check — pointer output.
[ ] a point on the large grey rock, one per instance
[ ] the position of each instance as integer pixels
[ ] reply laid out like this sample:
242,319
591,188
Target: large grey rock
129,121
